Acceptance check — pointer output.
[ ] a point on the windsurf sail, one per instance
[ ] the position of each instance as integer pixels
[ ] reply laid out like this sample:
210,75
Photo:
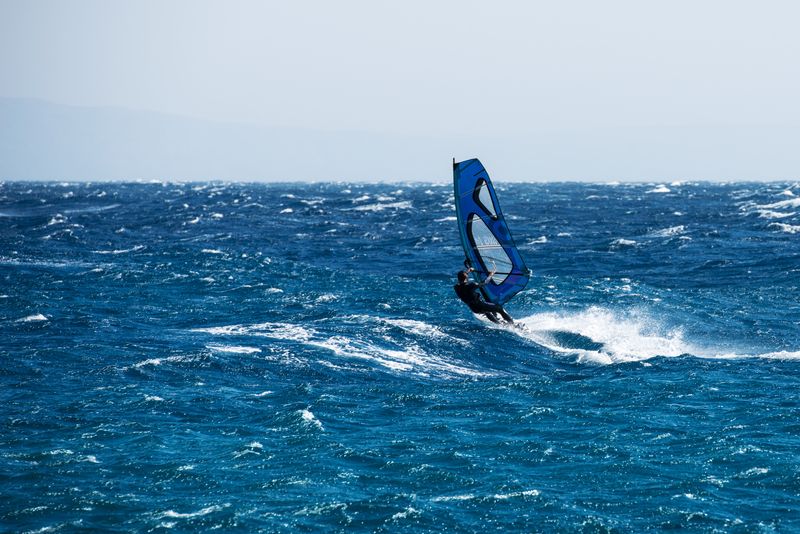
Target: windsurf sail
485,235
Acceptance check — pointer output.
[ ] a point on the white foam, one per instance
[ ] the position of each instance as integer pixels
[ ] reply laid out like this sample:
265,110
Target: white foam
623,243
405,513
446,219
283,331
57,219
309,418
262,394
632,336
403,205
445,498
624,337
287,210
538,241
660,189
120,251
525,493
205,511
233,349
788,228
153,398
408,358
755,471
769,214
789,203
418,328
33,318
158,361
669,232
212,251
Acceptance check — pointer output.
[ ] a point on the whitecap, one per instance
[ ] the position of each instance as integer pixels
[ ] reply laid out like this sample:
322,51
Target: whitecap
287,210
660,189
408,358
153,398
525,493
233,349
412,326
120,251
623,242
405,513
790,203
212,251
402,205
754,471
158,361
538,241
769,214
33,318
309,418
283,331
204,511
93,209
446,219
788,228
445,498
600,336
669,232
57,219
217,216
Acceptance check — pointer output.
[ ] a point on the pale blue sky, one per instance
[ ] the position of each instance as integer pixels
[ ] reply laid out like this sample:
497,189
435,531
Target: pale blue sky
539,90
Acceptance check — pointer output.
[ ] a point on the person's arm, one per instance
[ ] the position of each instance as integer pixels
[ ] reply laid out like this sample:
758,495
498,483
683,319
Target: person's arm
486,280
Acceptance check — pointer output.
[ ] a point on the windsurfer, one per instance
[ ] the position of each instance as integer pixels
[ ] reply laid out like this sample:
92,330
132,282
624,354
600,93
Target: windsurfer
469,293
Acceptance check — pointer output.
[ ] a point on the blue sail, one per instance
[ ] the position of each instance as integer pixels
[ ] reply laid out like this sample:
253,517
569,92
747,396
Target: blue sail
484,233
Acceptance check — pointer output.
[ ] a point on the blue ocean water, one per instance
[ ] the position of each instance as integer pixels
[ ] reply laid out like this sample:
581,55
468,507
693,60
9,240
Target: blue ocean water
292,357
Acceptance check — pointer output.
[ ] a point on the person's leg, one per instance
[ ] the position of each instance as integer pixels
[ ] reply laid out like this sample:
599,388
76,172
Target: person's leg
492,317
505,315
496,308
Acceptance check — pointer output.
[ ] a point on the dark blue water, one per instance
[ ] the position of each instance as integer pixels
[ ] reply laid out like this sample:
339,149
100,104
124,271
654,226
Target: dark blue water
293,358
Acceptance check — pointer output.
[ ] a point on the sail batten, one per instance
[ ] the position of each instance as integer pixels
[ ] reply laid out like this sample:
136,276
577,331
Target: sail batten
485,236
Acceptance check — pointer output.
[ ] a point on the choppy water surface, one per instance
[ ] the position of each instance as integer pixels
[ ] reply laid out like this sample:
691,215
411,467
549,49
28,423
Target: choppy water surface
293,357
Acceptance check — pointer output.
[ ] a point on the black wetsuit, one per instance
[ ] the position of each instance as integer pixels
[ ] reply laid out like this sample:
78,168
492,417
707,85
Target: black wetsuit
469,293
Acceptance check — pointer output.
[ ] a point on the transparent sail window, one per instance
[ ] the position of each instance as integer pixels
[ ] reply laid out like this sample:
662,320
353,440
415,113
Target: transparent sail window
485,199
489,249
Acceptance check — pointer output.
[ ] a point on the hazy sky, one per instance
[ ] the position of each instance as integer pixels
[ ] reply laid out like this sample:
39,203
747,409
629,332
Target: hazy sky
420,68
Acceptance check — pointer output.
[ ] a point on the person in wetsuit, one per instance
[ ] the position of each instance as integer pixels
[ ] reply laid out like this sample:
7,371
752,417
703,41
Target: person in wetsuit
470,294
